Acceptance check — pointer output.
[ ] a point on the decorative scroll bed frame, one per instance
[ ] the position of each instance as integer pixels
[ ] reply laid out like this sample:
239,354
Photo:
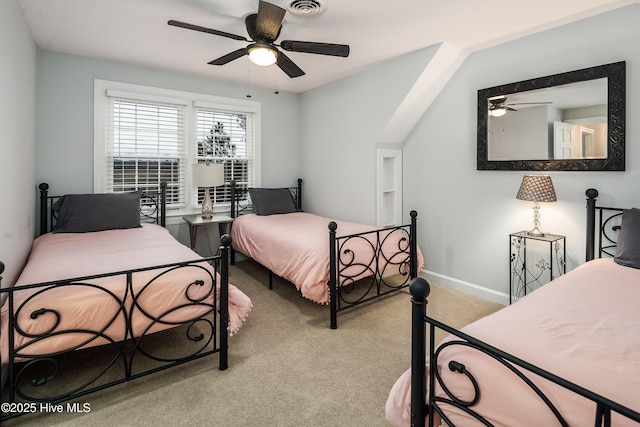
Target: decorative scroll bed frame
340,283
206,334
152,207
608,220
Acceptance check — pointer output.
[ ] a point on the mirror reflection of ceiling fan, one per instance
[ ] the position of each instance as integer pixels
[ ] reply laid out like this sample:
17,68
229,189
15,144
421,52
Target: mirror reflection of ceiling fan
499,105
264,28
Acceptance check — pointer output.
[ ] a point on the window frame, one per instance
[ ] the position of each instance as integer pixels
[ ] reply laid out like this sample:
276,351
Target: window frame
191,101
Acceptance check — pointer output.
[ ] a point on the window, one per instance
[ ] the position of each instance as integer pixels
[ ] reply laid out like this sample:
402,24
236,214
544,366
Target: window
227,137
145,135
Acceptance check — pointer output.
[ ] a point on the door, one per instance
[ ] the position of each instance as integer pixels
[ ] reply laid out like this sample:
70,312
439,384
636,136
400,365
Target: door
562,140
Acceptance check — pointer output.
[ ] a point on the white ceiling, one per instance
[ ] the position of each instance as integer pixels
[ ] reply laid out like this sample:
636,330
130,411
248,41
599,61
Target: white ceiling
136,31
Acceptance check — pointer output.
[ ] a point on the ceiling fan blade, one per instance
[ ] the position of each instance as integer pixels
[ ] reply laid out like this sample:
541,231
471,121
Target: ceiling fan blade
269,20
318,48
205,30
229,57
288,66
529,103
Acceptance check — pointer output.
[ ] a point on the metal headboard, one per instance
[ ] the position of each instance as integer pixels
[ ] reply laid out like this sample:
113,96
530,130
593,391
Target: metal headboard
152,207
608,221
241,203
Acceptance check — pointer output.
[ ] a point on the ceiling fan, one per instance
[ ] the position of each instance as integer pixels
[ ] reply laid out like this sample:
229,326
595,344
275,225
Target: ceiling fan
263,29
499,105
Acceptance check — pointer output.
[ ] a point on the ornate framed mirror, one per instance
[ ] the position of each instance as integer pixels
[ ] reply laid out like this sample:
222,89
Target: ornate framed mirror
573,121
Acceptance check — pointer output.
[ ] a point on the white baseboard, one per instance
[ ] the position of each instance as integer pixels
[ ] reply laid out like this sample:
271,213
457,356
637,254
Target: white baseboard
466,287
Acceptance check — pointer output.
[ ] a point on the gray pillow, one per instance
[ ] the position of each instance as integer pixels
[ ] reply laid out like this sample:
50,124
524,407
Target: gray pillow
270,201
81,213
628,250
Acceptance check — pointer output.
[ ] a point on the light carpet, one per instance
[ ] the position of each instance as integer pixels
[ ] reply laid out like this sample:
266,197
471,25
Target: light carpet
286,367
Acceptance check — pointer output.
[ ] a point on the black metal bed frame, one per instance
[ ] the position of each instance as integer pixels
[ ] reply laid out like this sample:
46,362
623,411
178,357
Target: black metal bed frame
152,207
608,223
203,335
342,279
608,220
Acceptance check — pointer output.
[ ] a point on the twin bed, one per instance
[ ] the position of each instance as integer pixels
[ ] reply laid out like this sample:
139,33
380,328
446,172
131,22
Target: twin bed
339,263
129,281
567,354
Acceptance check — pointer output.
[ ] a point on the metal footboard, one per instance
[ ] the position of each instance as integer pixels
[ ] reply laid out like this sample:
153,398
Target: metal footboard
60,376
423,405
390,262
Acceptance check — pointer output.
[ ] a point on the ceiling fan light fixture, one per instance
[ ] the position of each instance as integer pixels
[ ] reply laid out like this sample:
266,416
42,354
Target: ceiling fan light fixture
262,54
497,112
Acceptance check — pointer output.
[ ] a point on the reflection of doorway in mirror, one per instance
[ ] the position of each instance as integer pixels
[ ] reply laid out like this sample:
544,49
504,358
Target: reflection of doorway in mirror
571,141
597,128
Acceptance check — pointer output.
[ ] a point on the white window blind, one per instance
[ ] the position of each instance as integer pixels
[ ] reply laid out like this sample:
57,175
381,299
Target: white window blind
146,135
227,137
145,145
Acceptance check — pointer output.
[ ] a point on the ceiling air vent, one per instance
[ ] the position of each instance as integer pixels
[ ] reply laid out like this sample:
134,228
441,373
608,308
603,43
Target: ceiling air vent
306,7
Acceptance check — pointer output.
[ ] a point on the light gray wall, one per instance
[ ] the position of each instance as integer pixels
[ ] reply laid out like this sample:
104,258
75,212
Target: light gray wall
522,136
465,215
18,142
340,124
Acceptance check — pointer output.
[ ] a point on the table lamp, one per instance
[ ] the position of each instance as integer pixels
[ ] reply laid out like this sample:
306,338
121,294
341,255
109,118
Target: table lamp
536,188
208,175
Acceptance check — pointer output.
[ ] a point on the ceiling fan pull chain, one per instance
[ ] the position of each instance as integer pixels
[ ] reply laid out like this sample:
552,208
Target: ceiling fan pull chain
248,79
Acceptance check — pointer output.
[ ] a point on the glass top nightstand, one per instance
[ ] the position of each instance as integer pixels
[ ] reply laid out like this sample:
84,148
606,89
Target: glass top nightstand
534,261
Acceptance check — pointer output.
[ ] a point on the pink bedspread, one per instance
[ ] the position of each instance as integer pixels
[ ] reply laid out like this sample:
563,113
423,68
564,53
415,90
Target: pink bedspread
295,246
62,256
583,327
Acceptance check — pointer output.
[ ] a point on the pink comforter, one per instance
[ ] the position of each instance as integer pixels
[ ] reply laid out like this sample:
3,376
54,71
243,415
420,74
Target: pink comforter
295,246
583,327
62,256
